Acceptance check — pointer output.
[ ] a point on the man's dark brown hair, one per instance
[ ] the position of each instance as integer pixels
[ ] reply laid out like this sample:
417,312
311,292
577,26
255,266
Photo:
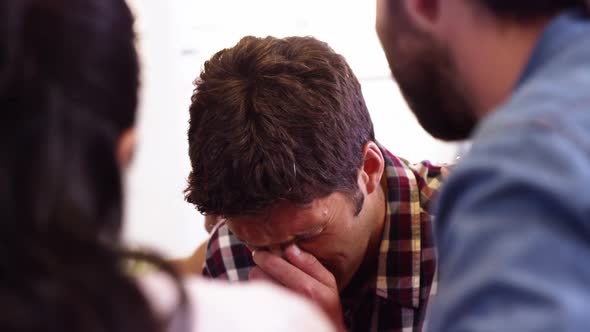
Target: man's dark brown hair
275,120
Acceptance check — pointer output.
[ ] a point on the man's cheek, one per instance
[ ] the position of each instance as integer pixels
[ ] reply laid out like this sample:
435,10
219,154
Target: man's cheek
316,247
329,265
323,254
320,252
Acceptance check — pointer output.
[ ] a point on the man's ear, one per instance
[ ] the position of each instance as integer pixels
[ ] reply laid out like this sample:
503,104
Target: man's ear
125,148
373,166
424,13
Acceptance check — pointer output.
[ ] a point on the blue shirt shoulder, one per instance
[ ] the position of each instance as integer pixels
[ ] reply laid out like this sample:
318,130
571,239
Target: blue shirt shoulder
513,221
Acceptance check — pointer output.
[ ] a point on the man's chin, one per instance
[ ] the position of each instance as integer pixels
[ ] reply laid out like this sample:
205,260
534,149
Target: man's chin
429,82
351,283
448,134
342,281
446,124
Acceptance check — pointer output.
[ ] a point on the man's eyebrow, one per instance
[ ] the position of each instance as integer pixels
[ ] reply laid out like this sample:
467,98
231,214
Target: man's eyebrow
258,247
311,230
304,206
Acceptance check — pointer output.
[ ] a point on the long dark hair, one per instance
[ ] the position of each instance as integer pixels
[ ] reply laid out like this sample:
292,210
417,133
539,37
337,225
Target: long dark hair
68,90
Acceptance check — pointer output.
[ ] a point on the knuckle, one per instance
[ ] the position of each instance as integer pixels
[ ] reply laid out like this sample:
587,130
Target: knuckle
309,291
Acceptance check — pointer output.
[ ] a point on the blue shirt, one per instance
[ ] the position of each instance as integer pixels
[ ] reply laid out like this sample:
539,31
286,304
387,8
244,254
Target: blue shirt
513,221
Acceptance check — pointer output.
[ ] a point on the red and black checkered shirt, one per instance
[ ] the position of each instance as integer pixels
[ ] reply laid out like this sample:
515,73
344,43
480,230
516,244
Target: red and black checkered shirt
396,299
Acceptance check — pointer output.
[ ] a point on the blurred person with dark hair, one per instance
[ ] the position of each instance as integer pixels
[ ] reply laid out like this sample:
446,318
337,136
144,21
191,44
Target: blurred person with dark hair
68,93
513,221
282,146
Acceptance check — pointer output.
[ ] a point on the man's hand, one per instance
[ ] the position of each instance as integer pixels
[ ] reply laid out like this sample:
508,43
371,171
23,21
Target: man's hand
304,274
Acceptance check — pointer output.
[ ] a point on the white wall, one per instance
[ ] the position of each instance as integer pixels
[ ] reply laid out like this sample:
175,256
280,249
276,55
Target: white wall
177,36
156,212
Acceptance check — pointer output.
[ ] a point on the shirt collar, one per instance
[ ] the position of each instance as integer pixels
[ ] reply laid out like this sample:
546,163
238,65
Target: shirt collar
563,30
398,274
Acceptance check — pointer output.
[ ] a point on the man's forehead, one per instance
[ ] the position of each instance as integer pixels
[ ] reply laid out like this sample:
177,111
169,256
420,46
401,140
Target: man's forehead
295,217
283,212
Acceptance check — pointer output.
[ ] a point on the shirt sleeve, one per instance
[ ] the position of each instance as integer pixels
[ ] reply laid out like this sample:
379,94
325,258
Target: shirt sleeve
513,229
227,257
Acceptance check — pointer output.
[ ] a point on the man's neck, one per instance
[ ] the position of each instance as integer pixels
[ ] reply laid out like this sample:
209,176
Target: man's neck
492,58
378,219
368,268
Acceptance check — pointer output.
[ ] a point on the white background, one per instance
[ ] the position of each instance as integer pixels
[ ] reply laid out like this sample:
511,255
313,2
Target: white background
176,37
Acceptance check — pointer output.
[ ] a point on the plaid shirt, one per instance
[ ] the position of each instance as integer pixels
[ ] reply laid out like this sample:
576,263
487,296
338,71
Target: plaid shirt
396,299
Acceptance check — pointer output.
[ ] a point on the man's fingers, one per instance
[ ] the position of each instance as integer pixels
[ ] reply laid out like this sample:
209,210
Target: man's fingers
257,274
285,273
308,278
310,265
